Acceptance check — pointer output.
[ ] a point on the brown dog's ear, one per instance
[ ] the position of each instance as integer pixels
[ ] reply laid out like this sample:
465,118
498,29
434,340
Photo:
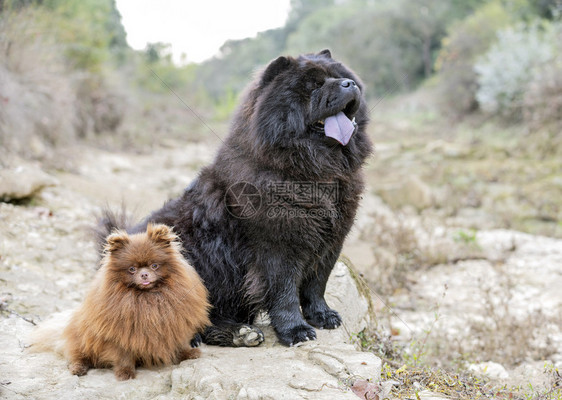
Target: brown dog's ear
159,233
116,241
326,52
275,68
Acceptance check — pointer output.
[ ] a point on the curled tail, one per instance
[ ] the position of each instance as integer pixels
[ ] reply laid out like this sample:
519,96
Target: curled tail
48,335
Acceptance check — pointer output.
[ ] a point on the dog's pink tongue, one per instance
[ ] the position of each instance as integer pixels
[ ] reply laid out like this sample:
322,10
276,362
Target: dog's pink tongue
339,127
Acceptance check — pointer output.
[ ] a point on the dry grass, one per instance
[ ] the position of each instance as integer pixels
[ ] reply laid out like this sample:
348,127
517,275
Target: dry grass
38,100
501,333
396,253
412,377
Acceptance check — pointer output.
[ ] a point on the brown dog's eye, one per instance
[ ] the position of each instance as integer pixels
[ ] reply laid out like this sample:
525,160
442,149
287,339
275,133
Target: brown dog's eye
132,270
154,266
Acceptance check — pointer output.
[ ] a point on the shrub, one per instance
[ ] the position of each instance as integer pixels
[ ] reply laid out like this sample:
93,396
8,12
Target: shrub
468,39
542,101
505,70
37,99
44,99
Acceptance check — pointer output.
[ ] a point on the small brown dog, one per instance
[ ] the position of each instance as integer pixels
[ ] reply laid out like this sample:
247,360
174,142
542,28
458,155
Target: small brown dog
144,307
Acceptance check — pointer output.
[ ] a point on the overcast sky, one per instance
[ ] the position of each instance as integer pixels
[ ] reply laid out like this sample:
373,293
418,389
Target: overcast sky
198,27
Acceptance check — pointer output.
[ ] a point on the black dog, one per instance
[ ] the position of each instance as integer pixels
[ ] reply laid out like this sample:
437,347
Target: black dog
264,223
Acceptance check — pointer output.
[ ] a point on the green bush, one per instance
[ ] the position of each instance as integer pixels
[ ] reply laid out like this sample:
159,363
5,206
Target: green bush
542,101
510,64
466,40
55,73
37,100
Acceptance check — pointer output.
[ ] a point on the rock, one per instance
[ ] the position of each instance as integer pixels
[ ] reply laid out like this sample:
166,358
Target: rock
345,294
449,150
412,191
489,369
46,265
539,375
23,182
312,370
429,395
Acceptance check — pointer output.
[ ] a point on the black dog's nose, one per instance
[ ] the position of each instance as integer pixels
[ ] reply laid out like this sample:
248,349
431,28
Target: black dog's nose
347,83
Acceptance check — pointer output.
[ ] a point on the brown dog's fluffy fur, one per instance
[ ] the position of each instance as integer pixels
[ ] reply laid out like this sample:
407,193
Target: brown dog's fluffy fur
143,309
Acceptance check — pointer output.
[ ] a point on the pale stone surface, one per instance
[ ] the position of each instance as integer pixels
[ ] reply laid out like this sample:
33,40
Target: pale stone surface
314,370
410,191
489,369
22,182
429,395
47,262
46,265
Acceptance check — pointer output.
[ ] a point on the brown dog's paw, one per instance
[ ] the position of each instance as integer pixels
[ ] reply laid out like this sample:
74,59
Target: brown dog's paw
78,368
189,354
125,373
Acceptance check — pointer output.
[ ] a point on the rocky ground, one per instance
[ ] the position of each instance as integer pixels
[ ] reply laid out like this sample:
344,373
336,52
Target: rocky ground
47,261
487,297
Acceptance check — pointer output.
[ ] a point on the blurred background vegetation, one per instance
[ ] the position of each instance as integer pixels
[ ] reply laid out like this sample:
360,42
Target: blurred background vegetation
485,75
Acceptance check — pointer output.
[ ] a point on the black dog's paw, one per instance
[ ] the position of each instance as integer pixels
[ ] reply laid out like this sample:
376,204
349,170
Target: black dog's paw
296,334
196,341
247,336
328,319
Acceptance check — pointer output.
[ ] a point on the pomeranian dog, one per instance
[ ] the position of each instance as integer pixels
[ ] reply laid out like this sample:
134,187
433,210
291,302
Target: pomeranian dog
145,307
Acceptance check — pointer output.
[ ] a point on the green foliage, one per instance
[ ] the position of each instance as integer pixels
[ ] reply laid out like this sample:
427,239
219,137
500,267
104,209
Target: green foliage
300,9
88,29
462,236
466,40
158,52
391,44
542,101
505,70
314,34
32,98
58,57
156,72
226,106
233,68
396,53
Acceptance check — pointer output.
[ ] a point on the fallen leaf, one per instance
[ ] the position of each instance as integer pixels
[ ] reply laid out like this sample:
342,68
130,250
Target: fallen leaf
366,390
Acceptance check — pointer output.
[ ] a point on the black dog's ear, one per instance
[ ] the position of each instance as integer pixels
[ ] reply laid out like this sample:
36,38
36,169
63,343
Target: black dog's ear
275,68
159,233
116,241
326,52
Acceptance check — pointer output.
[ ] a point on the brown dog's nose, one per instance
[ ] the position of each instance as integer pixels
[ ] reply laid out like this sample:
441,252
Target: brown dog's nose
144,275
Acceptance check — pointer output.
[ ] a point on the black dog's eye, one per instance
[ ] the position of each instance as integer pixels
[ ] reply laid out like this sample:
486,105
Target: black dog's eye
132,270
154,266
314,79
317,82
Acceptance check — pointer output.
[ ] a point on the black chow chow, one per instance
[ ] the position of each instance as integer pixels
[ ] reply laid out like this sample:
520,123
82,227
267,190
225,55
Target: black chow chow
264,224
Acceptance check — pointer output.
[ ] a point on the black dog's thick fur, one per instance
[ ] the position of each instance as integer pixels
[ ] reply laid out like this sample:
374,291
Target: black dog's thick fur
264,223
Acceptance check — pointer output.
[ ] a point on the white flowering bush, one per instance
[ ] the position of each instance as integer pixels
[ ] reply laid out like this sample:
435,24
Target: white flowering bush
542,103
510,64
